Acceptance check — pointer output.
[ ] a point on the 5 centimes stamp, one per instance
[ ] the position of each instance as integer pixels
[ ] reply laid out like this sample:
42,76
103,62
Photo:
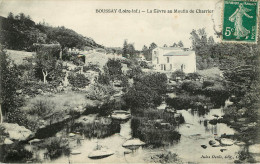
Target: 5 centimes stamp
240,21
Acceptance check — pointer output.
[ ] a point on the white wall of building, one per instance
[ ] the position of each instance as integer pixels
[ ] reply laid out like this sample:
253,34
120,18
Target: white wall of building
185,62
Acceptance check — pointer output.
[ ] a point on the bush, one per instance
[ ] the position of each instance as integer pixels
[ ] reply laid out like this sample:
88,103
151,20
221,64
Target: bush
134,72
78,80
15,153
41,107
208,83
145,126
141,96
114,67
151,133
178,73
99,130
218,94
192,86
100,92
193,76
166,157
56,147
186,101
104,79
91,67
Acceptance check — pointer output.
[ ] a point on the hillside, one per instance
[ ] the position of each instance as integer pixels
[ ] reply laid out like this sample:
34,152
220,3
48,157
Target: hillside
20,33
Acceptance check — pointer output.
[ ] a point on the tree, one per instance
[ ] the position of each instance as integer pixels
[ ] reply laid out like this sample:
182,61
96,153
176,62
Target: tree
10,15
152,46
180,44
147,91
47,67
114,68
211,40
10,82
145,51
125,49
174,45
165,45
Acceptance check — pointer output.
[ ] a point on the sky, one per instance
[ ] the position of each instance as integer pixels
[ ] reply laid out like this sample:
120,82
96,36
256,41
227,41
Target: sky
111,29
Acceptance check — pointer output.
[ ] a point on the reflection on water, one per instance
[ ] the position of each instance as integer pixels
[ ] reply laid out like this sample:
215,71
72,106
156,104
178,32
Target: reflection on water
194,133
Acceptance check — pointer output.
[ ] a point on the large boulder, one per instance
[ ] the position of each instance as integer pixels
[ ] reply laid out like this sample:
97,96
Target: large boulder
14,132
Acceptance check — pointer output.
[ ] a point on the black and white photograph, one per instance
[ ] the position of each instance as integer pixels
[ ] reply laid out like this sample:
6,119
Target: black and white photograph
131,81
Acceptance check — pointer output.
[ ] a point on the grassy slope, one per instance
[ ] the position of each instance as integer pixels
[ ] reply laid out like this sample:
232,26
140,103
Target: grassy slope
18,56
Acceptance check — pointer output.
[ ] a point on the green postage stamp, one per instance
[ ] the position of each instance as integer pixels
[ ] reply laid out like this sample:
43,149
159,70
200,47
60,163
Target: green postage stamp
240,21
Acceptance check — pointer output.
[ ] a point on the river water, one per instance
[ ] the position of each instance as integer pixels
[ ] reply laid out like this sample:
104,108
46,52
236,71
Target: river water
193,134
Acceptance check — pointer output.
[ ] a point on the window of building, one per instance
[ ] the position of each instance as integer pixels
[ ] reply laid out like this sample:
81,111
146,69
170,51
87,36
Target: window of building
170,66
157,60
168,59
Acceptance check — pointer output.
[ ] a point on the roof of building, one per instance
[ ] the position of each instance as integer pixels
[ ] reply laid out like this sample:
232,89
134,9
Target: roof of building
170,48
178,53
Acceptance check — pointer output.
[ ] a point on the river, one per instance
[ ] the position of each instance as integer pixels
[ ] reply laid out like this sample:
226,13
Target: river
194,133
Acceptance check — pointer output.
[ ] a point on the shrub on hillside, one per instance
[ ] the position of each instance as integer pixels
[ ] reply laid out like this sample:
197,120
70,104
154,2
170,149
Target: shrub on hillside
91,67
41,107
134,72
78,80
103,78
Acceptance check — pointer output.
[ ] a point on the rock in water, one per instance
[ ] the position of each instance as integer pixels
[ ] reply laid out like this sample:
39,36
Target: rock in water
204,146
226,141
211,142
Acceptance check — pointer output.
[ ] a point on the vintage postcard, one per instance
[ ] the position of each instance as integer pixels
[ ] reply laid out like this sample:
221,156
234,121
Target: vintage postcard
144,81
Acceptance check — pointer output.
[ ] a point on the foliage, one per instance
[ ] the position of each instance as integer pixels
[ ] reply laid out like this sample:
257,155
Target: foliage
147,52
243,83
208,83
41,108
10,82
47,68
193,76
20,33
101,128
114,68
178,73
100,92
146,91
192,86
56,147
128,50
104,78
155,81
15,153
134,72
186,101
91,67
78,80
146,127
166,157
